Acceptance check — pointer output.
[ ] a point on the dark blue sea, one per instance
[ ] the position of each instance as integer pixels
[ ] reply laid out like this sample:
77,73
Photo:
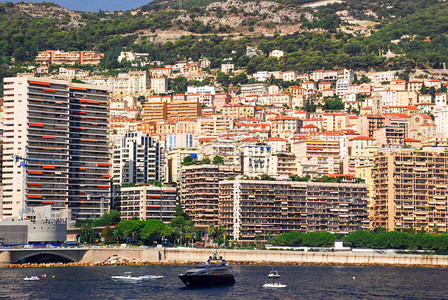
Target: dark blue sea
303,282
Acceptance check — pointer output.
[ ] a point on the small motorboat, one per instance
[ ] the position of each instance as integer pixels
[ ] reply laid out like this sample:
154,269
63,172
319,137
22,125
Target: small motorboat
274,274
157,276
274,285
127,277
32,278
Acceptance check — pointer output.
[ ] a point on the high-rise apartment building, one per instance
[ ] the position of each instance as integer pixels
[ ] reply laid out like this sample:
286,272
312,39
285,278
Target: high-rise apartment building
1,167
199,192
56,148
253,210
137,159
410,190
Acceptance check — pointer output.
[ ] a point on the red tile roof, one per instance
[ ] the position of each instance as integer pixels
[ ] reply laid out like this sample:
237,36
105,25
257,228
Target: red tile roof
275,139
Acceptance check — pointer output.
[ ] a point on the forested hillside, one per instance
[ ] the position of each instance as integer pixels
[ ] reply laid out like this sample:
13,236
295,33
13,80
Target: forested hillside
417,28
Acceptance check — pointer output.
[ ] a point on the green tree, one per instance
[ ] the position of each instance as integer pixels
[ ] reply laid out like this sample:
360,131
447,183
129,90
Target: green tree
432,92
423,89
180,212
128,230
107,234
318,239
179,84
179,225
352,48
188,159
189,233
223,78
292,238
360,238
239,79
153,231
212,231
87,235
110,218
334,104
218,160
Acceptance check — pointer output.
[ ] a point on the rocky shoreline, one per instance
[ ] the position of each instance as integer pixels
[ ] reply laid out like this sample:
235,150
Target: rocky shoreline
133,262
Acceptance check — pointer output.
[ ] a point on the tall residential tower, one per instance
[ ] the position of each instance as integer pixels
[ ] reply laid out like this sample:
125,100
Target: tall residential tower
56,147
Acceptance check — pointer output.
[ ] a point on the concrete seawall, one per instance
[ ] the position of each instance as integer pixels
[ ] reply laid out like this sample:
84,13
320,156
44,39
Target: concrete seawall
173,256
102,254
291,257
98,256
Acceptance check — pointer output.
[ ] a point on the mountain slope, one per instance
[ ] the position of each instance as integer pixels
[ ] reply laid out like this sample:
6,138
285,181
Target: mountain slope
309,36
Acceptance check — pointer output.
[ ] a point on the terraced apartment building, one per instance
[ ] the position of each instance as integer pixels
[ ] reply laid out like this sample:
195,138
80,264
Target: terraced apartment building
148,202
56,148
410,190
199,191
252,210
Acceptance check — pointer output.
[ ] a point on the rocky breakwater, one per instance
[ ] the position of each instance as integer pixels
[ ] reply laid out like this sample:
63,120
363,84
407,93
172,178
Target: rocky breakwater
114,260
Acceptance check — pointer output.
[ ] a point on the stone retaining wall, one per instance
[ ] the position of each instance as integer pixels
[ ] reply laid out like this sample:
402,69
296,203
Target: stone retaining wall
102,256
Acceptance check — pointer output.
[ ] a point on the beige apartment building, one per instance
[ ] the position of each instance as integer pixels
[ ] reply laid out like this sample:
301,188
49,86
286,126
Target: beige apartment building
252,210
175,157
410,190
133,84
159,111
199,192
159,85
318,157
148,202
56,57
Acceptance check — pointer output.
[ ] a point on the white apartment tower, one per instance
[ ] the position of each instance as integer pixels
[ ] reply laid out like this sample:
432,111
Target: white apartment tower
137,159
56,149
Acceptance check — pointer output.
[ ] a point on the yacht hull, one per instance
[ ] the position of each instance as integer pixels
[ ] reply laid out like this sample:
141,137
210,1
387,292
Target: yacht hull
207,280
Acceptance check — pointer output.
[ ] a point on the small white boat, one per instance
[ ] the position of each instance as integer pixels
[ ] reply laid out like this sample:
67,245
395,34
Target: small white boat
274,274
157,276
32,278
274,285
127,277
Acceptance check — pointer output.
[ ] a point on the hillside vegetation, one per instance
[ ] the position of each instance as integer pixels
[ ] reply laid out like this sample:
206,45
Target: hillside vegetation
205,28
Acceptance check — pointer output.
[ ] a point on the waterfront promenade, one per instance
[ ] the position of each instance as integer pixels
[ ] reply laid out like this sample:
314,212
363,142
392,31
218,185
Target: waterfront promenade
101,256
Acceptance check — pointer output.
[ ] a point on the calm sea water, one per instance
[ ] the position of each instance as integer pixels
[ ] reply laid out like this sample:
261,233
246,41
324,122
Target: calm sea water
303,282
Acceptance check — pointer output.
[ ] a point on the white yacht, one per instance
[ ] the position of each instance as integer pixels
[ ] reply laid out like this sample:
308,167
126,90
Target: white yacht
157,276
274,274
32,278
274,285
127,277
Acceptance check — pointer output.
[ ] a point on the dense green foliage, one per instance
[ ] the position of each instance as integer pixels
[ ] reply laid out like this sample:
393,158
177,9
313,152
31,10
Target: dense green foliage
398,240
87,234
22,36
312,239
151,231
428,47
110,218
379,239
385,9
